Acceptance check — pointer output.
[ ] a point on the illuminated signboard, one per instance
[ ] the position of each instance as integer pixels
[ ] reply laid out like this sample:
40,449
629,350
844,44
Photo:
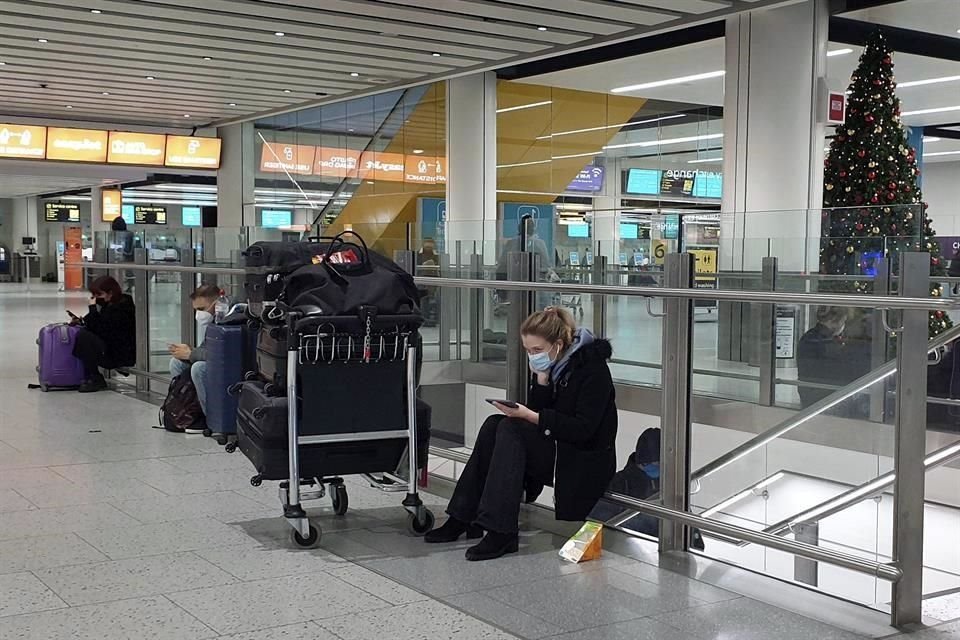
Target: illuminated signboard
642,182
127,213
76,145
287,158
708,184
111,205
19,141
61,212
276,218
421,170
192,152
136,148
337,163
191,216
149,214
379,165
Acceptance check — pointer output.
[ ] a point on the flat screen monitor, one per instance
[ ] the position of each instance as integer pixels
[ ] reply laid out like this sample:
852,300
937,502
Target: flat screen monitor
61,212
276,218
27,241
708,184
126,212
578,230
149,214
642,182
629,231
192,216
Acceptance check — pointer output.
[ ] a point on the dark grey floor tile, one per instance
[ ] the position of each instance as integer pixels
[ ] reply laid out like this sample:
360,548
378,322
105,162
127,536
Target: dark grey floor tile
592,599
746,619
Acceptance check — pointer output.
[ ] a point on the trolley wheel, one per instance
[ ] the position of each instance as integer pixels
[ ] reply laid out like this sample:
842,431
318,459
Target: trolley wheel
340,499
44,388
250,376
312,539
256,480
231,446
270,389
420,526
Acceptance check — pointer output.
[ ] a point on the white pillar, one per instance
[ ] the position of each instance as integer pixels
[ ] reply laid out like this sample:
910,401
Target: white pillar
472,163
774,136
236,178
97,224
606,231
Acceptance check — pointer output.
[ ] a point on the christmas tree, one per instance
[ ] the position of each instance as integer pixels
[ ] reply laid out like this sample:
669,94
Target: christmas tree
872,200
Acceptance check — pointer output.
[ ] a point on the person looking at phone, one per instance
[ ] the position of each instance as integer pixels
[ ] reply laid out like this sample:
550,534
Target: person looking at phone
108,338
185,358
569,424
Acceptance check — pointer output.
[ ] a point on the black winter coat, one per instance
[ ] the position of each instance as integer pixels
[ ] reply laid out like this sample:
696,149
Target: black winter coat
579,412
116,324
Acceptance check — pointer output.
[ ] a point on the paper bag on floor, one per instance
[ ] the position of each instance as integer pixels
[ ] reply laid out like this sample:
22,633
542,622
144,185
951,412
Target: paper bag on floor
586,544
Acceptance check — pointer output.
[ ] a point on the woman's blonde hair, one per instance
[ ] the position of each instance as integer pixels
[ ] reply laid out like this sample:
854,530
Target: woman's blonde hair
553,324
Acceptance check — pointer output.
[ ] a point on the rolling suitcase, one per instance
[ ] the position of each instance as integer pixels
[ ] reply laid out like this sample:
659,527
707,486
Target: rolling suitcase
272,359
227,362
59,368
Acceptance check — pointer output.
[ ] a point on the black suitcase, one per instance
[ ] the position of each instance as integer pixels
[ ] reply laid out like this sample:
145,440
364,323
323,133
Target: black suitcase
272,358
262,437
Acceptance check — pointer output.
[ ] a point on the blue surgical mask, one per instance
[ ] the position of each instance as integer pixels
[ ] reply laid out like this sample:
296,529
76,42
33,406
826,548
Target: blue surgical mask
652,469
540,361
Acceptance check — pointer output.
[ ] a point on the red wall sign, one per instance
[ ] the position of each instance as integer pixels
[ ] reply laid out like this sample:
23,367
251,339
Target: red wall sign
836,107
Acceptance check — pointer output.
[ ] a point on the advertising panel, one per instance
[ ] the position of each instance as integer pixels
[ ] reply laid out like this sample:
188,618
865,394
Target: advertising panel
76,145
589,179
337,163
111,205
21,141
73,258
421,170
287,158
192,152
137,148
378,165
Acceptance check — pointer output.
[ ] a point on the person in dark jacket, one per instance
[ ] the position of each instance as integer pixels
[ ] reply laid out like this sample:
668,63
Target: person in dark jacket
108,338
825,357
569,424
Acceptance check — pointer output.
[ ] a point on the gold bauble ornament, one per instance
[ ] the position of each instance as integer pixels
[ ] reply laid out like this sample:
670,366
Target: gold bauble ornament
876,229
829,187
849,249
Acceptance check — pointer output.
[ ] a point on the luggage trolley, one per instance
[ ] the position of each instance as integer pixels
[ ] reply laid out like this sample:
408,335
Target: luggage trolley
333,366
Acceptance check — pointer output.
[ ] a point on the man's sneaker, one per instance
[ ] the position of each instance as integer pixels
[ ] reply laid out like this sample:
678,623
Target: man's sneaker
93,385
195,430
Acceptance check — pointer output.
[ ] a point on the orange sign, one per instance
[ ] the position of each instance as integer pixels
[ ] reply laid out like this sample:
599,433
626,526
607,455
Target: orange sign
421,170
194,153
73,258
136,148
377,165
337,163
79,145
288,158
111,205
20,141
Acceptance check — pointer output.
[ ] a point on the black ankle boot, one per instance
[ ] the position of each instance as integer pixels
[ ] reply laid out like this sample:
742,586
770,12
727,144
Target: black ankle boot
451,531
494,545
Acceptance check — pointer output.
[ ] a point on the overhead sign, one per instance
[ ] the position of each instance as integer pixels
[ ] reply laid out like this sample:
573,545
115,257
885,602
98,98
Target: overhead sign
192,152
677,182
836,107
337,163
149,214
420,170
287,158
61,212
376,165
590,179
76,145
21,141
137,148
111,204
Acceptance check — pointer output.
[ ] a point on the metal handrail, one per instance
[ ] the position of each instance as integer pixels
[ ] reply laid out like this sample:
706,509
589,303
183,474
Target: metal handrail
860,384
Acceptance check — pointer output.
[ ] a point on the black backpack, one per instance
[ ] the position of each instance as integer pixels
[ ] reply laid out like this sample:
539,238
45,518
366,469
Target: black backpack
351,280
181,409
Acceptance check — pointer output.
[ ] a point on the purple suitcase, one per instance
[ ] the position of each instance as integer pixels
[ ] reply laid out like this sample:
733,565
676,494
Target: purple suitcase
59,368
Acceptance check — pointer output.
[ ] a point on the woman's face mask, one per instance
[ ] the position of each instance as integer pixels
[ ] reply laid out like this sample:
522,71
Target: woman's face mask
652,469
541,361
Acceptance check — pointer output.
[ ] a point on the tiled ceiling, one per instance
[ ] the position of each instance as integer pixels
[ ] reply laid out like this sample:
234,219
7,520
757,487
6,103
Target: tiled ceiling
157,62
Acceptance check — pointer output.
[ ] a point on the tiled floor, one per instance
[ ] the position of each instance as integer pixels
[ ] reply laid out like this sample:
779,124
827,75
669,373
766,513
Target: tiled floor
110,529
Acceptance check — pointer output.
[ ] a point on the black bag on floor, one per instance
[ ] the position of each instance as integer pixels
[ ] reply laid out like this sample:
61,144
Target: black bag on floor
181,409
262,437
351,280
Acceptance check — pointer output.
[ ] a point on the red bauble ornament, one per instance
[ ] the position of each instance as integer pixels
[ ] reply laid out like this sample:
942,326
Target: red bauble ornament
935,260
859,227
939,314
907,189
858,198
869,117
843,174
872,175
891,195
892,186
875,199
887,60
862,153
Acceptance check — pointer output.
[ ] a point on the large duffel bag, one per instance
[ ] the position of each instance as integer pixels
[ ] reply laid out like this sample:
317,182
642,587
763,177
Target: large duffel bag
351,280
267,265
262,436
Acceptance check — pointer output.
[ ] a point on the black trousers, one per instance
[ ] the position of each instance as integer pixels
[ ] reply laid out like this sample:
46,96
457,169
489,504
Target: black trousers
91,350
509,456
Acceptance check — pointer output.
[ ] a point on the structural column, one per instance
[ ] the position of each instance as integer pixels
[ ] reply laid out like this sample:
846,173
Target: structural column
236,178
774,135
472,163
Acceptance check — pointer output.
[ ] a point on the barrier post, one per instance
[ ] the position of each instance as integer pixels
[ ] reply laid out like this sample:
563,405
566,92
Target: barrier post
520,268
141,287
766,334
599,302
878,344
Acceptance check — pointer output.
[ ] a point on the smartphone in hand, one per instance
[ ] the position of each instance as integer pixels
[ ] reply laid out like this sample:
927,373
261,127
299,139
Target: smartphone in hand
505,403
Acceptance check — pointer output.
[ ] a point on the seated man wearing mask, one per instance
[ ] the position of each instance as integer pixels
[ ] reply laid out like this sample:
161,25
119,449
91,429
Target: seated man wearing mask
184,357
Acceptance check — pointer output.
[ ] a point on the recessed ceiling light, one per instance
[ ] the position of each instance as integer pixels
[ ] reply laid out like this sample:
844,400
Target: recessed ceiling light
105,93
208,58
69,106
838,52
279,34
95,11
418,151
354,75
287,91
351,130
186,115
232,104
42,40
541,28
2,64
150,78
436,54
669,81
